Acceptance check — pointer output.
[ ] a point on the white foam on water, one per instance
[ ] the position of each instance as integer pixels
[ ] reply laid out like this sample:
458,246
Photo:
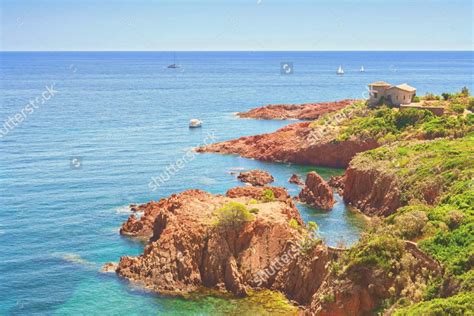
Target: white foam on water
125,209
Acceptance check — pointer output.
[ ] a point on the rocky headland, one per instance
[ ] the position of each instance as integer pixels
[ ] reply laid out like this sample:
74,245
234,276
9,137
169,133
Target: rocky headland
306,111
299,143
413,259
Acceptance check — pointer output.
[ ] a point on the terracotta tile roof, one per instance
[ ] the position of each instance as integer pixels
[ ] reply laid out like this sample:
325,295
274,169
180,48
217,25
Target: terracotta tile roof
380,83
405,87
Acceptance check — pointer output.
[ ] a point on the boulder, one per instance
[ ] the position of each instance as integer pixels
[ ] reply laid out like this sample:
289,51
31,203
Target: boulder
317,192
256,177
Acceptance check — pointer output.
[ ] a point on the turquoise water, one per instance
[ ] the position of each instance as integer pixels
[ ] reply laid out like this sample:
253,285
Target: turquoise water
124,117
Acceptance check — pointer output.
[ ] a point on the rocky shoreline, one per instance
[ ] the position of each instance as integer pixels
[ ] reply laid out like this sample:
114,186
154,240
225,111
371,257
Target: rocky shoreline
306,111
190,247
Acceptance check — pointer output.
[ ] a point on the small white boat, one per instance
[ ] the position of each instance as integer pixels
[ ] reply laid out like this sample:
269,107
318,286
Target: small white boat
362,69
340,71
193,123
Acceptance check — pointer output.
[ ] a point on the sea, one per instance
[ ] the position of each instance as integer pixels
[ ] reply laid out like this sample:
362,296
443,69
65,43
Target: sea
83,134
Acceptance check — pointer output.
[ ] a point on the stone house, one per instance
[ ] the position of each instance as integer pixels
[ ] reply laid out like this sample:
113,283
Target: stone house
394,95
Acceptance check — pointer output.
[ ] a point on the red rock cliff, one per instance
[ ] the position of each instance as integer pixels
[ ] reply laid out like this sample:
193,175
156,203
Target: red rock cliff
307,111
297,143
372,191
188,250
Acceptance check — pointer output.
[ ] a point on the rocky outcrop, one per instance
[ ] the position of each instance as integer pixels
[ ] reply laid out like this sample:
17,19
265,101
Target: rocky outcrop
295,180
256,177
373,191
187,249
337,182
109,267
317,192
299,143
307,111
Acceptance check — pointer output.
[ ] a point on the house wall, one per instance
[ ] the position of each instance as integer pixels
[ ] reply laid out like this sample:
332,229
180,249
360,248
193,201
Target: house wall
399,96
380,90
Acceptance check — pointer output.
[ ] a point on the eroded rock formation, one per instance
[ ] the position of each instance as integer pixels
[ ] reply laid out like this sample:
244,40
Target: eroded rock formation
295,180
317,192
256,177
188,249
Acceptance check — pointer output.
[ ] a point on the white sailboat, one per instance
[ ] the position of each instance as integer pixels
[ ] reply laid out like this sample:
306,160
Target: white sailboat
174,64
362,69
340,71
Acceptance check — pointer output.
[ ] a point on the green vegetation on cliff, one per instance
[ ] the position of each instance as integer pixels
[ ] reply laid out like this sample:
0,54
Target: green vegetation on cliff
390,124
435,179
460,304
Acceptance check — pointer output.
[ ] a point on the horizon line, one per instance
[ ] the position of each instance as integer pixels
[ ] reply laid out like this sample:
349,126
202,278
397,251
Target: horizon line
217,51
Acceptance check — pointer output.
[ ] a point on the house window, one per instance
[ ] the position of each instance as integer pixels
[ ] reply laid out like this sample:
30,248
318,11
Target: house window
397,97
375,94
404,97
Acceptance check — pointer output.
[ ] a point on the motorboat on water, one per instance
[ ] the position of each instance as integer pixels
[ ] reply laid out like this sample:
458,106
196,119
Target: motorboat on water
193,123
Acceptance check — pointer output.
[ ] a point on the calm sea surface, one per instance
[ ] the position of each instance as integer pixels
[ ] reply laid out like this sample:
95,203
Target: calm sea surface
68,171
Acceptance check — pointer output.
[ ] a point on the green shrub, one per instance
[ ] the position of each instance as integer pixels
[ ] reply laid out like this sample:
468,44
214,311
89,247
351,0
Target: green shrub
311,239
268,196
415,98
454,248
327,298
254,210
457,108
233,214
375,251
470,106
431,97
411,117
253,201
446,96
465,91
294,224
411,224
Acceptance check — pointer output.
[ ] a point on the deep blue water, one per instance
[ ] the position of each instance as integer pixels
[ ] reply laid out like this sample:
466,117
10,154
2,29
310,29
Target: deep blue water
124,116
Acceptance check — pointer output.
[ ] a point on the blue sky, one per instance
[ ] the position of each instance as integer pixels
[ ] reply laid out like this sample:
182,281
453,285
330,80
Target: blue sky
236,25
